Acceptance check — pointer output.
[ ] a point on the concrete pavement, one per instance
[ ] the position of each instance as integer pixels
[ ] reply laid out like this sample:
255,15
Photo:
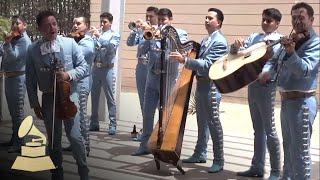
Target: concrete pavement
110,156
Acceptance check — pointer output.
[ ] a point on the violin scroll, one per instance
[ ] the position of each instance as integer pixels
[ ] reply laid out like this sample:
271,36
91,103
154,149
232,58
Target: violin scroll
294,41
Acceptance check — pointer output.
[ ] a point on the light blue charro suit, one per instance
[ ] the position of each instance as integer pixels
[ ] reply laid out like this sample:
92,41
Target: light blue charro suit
14,60
299,72
103,76
136,38
261,98
84,86
152,91
39,74
208,98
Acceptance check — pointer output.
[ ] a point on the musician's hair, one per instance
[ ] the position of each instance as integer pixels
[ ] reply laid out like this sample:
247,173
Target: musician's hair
273,13
165,12
44,14
303,5
153,9
220,15
86,20
19,17
107,15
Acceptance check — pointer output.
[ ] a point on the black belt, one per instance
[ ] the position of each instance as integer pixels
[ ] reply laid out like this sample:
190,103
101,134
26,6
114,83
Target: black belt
11,74
296,94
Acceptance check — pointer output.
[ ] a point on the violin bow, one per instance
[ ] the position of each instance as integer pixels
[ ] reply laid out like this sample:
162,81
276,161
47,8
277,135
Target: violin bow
54,96
281,64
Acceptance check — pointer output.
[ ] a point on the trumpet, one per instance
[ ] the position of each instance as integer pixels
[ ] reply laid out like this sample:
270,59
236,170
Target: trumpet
138,25
151,33
132,26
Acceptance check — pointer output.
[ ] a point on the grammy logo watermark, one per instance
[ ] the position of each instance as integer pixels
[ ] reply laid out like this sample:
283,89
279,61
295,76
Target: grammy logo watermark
33,155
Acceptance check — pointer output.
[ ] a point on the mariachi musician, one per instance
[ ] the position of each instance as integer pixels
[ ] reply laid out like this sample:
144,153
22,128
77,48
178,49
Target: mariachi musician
152,90
136,38
59,102
103,71
298,81
208,98
261,99
13,64
83,38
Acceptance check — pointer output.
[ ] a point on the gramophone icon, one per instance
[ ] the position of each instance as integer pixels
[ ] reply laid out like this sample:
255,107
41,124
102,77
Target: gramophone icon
33,154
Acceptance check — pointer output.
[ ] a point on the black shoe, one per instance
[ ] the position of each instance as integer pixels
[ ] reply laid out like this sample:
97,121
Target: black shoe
14,149
6,144
252,172
140,152
67,148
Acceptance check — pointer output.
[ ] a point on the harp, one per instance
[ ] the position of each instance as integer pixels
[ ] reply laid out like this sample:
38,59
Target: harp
175,86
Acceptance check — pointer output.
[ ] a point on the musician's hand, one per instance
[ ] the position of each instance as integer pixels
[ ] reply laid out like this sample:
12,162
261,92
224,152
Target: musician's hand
8,39
38,112
236,46
264,77
139,21
95,31
62,76
289,45
141,24
176,56
269,54
238,43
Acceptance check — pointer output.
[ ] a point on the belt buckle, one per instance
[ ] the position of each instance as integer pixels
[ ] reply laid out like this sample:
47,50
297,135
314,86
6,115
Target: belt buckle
144,61
157,71
99,64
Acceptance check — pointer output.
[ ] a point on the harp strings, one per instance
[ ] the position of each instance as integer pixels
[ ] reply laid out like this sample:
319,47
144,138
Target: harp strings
172,74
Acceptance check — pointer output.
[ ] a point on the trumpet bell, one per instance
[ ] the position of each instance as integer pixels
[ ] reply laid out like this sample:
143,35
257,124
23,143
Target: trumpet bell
148,35
132,26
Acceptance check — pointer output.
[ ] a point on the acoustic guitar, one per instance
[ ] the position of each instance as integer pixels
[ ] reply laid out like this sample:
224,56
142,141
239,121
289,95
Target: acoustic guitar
234,71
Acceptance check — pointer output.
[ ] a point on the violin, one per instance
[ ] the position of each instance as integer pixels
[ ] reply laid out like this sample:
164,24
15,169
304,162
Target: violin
297,38
77,36
64,108
13,35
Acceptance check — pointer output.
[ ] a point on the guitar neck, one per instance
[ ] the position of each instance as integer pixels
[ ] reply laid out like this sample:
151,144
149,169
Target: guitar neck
273,43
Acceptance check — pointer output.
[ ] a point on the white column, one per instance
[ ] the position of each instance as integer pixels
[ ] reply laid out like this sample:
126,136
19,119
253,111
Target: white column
116,8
